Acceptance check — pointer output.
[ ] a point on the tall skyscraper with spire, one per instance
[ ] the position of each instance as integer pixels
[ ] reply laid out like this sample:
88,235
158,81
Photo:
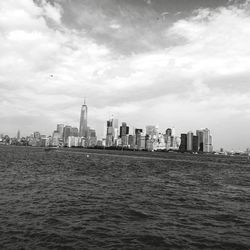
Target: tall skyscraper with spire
83,129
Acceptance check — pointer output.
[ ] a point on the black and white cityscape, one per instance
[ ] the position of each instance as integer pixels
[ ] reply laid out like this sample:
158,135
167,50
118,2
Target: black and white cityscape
117,137
124,124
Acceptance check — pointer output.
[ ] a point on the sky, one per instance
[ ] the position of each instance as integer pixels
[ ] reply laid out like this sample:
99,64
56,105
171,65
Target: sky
171,63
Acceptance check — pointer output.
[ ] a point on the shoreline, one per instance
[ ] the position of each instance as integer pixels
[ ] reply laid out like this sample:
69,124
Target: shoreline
144,155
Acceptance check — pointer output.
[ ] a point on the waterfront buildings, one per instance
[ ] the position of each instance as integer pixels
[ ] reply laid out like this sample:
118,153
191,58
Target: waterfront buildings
37,135
124,131
168,132
74,132
195,143
112,132
152,131
83,129
124,137
204,140
56,138
73,141
190,141
67,131
60,130
18,135
207,141
91,138
183,146
199,134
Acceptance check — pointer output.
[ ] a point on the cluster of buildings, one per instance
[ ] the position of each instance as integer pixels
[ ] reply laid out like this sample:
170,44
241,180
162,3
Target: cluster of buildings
69,136
73,137
201,142
150,139
116,136
153,140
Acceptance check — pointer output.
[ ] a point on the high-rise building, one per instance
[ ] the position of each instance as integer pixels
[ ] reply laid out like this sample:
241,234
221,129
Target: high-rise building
138,133
204,140
124,131
190,141
60,130
75,131
109,134
168,132
18,135
116,131
37,135
167,140
161,145
199,134
67,131
211,143
152,131
207,141
141,142
92,138
112,132
173,131
83,129
73,141
55,138
131,141
183,146
195,144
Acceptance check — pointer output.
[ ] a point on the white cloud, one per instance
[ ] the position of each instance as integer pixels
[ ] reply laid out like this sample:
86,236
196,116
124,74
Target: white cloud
52,12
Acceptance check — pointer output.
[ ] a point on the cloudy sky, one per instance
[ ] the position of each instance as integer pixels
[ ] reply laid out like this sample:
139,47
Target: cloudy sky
165,62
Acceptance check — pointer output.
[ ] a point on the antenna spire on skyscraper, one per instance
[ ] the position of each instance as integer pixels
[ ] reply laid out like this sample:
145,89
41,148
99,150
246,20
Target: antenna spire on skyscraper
84,101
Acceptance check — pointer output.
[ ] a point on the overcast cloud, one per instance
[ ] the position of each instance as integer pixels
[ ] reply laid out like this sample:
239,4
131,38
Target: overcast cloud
188,68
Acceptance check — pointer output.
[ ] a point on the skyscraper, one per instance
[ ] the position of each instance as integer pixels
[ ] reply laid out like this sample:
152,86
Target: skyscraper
18,135
83,129
207,140
204,140
124,131
138,133
92,138
189,141
75,132
195,143
169,132
60,130
152,131
199,134
112,132
55,138
67,131
183,146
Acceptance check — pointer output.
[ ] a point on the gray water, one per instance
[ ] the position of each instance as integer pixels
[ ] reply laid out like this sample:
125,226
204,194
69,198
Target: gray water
66,200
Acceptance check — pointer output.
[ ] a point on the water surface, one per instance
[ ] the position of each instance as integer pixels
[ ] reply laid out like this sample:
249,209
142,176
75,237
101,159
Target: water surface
66,200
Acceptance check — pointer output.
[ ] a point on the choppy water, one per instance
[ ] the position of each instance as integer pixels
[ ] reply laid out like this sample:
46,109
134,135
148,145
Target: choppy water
65,200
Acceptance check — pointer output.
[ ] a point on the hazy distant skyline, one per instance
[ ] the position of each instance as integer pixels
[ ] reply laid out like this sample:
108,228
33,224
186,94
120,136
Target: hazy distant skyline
170,63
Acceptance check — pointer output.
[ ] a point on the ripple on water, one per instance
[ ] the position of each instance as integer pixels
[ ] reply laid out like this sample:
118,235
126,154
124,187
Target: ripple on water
63,200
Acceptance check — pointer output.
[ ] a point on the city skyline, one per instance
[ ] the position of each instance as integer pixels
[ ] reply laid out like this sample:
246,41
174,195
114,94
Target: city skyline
149,139
175,63
115,130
